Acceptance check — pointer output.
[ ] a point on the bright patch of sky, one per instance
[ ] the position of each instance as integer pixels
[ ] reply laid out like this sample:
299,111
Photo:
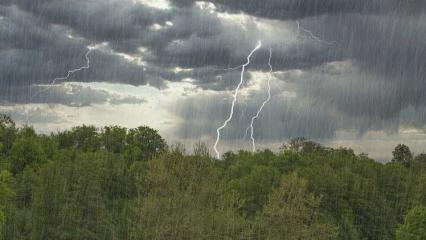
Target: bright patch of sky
160,4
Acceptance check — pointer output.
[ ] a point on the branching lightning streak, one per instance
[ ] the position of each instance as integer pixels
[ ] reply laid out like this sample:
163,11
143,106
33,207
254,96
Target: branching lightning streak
251,127
232,68
235,95
69,73
312,35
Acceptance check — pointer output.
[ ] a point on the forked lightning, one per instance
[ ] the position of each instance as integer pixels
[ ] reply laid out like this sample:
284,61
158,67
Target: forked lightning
234,100
251,127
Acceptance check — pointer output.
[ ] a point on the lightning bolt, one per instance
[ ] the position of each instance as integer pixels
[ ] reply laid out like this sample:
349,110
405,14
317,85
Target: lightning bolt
235,95
312,35
251,127
69,73
66,77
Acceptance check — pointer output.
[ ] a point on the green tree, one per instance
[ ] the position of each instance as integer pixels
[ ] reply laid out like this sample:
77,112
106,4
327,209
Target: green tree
114,138
414,227
186,198
68,200
294,213
86,138
26,150
65,139
66,186
419,163
7,133
6,121
145,143
302,145
254,188
402,154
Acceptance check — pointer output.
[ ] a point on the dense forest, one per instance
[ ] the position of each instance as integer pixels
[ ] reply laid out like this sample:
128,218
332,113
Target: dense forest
117,183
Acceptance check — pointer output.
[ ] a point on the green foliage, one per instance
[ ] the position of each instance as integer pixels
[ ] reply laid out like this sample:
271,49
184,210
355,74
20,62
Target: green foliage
69,202
294,213
254,187
402,154
6,194
26,151
114,138
419,163
7,134
114,183
85,138
302,145
201,149
186,198
414,227
145,142
349,189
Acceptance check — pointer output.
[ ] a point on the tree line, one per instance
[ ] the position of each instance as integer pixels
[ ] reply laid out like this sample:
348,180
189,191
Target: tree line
117,183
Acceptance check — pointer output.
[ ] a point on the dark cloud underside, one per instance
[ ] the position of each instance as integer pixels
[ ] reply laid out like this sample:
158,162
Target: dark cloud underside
297,9
352,64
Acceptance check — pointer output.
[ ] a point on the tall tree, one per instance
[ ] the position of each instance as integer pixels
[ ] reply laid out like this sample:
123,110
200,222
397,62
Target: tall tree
86,138
7,133
26,150
145,143
402,154
114,138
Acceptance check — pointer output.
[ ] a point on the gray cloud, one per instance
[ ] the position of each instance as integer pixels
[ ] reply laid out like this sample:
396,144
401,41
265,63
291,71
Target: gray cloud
296,9
71,94
282,118
388,70
36,46
383,40
35,115
111,20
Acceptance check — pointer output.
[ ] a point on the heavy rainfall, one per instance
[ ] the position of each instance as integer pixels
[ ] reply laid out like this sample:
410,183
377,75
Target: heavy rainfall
242,76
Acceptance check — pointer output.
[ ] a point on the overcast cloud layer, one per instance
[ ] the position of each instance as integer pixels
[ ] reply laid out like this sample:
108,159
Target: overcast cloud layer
339,65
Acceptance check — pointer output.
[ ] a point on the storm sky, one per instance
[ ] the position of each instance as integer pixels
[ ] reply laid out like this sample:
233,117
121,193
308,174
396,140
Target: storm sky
346,72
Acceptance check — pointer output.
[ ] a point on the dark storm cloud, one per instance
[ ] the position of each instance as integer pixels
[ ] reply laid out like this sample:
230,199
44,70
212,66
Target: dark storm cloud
296,9
413,117
388,69
227,51
348,90
200,38
20,69
108,67
72,94
383,40
36,47
34,51
79,96
388,51
115,21
282,118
